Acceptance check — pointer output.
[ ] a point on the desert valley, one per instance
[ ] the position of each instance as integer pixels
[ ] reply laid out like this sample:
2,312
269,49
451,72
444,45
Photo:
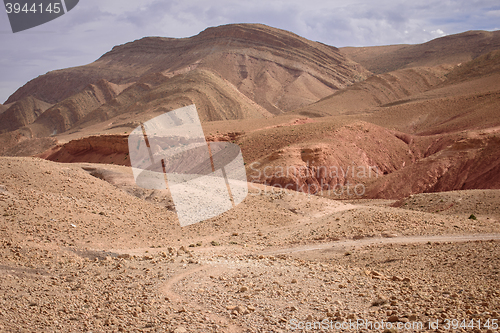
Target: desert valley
390,218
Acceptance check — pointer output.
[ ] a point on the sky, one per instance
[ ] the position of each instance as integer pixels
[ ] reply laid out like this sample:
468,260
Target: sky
93,27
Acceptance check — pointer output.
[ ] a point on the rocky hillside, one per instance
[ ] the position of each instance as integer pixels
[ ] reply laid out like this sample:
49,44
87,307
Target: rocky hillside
254,58
378,90
21,113
452,49
290,104
3,108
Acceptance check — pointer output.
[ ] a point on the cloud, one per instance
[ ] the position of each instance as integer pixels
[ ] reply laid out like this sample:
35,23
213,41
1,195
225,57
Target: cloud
95,26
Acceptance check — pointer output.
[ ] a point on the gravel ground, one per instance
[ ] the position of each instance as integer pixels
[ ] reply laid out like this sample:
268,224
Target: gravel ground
79,254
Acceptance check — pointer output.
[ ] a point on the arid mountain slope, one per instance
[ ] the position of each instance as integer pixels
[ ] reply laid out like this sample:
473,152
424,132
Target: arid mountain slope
453,49
412,130
61,117
214,97
254,58
377,90
470,163
464,98
451,132
483,66
21,113
3,108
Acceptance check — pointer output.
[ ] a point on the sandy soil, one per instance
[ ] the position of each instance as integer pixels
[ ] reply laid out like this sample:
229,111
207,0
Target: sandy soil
84,250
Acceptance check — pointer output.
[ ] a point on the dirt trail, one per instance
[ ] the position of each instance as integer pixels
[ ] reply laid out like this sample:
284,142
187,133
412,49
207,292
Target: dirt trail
349,243
167,290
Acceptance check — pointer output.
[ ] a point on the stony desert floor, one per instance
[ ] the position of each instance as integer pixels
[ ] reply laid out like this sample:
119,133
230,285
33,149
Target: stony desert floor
84,250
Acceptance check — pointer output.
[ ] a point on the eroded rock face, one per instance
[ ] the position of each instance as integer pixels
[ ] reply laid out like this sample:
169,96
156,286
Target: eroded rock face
453,49
247,55
21,113
364,160
110,149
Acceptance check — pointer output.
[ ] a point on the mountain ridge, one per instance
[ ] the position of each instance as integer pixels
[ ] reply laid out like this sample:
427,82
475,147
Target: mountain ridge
257,46
450,49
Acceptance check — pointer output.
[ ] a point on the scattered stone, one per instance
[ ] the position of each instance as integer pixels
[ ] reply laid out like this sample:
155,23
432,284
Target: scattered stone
241,309
393,319
124,256
380,301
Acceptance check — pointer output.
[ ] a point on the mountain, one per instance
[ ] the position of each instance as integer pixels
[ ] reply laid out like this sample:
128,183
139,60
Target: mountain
230,72
277,69
21,113
61,117
378,90
431,124
452,49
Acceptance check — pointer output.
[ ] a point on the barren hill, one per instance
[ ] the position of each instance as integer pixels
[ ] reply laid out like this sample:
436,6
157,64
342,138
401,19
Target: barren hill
215,98
452,49
407,125
485,65
378,90
21,113
84,249
268,65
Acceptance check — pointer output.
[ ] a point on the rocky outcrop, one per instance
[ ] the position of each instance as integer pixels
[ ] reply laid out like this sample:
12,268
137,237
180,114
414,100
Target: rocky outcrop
109,149
372,162
21,113
65,114
470,163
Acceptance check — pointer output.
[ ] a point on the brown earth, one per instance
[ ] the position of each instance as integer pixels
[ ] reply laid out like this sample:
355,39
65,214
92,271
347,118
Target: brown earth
451,50
84,249
21,113
409,231
257,59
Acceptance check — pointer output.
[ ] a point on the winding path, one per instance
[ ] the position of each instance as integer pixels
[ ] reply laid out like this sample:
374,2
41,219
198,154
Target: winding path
349,243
